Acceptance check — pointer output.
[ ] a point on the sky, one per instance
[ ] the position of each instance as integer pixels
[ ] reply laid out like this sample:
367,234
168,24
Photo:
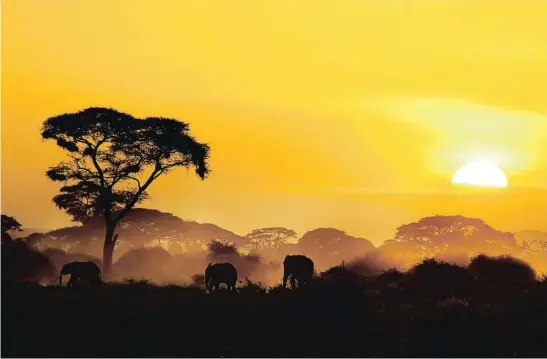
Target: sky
351,114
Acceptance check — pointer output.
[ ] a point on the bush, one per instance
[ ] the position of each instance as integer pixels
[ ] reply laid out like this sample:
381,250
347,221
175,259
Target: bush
437,279
390,277
338,317
502,270
20,263
341,273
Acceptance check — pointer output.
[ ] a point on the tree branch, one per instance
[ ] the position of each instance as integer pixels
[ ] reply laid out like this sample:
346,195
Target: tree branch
136,180
97,167
135,199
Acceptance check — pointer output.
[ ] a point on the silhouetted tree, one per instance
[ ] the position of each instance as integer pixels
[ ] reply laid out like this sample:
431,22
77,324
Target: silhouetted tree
113,160
432,235
9,224
534,247
221,251
141,227
269,238
198,235
331,246
74,239
501,270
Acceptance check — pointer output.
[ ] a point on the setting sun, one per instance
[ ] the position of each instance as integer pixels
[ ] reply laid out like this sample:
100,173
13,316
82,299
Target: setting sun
480,173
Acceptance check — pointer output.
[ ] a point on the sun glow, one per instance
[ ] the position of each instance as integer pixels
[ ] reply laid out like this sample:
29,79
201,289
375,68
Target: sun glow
480,173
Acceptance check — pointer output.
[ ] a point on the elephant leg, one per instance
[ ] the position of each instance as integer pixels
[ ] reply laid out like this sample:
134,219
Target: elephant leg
285,277
293,282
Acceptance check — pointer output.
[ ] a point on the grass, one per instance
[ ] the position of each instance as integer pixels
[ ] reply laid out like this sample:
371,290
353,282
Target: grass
363,317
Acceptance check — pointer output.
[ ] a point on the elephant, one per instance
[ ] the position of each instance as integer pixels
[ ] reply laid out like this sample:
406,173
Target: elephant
218,273
297,267
81,270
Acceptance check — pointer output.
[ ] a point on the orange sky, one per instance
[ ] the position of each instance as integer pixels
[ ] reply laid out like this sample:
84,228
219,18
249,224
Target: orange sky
349,113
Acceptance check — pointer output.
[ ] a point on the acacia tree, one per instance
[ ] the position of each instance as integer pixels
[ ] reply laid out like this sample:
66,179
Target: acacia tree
113,158
270,238
9,224
431,235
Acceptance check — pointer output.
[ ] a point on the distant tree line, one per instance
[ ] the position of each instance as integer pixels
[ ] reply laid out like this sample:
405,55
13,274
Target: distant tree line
112,159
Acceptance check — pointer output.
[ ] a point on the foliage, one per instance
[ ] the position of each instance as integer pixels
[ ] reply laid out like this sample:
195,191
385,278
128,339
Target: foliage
432,235
109,151
10,224
351,318
20,263
251,287
332,245
219,251
340,273
113,159
437,279
501,270
141,227
270,238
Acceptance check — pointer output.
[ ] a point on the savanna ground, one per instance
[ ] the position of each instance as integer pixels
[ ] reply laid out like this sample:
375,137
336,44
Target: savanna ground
436,309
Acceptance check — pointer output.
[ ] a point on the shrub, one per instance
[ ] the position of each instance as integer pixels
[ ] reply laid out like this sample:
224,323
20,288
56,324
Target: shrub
502,270
20,263
440,279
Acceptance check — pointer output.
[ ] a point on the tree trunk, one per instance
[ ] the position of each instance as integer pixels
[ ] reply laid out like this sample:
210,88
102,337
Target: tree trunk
108,249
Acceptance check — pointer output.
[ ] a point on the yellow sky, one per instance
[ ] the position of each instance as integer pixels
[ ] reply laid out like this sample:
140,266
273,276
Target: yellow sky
346,113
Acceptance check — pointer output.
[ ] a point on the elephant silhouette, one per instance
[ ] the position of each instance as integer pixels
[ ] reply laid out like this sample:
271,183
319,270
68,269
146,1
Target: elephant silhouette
218,273
81,271
299,268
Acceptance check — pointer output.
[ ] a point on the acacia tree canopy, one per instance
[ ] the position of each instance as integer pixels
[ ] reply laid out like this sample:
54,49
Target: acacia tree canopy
10,224
270,238
433,234
113,158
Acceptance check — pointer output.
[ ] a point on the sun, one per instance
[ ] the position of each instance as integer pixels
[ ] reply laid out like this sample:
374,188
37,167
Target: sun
480,173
